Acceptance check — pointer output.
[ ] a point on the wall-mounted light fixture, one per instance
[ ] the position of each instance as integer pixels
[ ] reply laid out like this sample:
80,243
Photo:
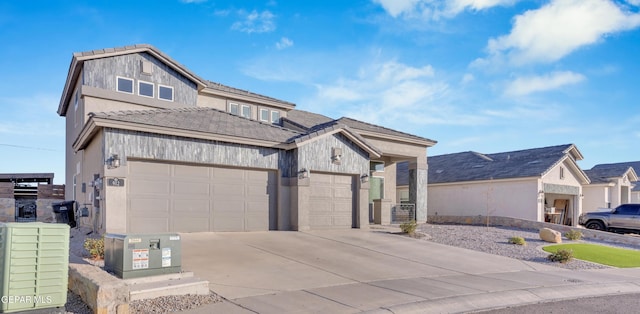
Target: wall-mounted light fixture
303,173
336,155
113,161
364,178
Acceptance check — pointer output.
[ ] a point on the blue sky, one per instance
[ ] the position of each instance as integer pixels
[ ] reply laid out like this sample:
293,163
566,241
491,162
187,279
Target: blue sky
481,75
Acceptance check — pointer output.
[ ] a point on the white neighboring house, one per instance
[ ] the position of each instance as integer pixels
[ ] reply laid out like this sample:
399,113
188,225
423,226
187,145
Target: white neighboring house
611,185
539,184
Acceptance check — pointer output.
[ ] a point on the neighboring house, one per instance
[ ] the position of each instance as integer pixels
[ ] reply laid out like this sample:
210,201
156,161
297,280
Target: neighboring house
152,147
611,185
540,184
27,197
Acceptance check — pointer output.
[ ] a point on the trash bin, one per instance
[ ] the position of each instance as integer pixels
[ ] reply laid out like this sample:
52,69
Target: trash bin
65,212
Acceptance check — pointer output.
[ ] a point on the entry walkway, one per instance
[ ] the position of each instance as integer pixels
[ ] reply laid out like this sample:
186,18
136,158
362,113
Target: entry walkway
351,271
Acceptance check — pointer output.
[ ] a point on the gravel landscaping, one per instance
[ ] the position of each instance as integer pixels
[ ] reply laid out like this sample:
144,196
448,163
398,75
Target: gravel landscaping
494,240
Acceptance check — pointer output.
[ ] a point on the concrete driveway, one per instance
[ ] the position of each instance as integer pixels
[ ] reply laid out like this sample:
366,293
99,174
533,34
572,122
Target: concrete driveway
347,271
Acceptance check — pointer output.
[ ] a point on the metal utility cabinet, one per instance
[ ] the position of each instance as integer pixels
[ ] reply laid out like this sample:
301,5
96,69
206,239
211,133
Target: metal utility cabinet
34,265
141,255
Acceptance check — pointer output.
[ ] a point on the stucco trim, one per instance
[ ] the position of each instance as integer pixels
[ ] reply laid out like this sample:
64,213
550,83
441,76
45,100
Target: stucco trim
580,175
127,98
425,143
483,181
247,98
366,147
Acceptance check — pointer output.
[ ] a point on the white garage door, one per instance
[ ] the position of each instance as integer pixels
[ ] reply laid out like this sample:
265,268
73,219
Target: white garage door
331,201
166,197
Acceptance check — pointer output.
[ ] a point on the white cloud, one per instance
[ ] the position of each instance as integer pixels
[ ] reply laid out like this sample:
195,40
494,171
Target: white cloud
434,9
284,43
193,1
255,22
527,85
559,28
468,78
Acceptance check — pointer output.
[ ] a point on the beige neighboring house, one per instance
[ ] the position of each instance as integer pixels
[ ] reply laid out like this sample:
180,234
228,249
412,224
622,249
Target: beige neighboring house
152,147
539,184
611,185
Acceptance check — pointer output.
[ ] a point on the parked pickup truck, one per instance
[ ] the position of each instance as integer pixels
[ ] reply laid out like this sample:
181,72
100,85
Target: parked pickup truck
624,217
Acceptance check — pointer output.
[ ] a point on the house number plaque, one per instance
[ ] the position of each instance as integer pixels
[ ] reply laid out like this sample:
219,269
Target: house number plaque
115,182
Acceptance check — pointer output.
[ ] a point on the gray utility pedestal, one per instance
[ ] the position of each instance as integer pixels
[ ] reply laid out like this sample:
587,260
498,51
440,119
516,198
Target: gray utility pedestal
142,255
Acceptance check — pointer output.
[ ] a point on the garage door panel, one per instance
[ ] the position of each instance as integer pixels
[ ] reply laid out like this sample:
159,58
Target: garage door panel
229,189
192,172
151,187
343,192
149,169
228,220
191,224
191,188
192,207
320,192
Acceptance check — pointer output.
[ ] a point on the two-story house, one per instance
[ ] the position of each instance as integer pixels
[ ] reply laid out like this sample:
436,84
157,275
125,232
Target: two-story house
152,147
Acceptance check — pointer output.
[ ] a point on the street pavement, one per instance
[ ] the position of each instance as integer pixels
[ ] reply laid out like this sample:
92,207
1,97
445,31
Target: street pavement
352,271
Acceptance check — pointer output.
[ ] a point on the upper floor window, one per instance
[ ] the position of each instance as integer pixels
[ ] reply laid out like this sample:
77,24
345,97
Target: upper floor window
377,166
234,108
264,115
145,89
125,85
246,111
165,92
275,116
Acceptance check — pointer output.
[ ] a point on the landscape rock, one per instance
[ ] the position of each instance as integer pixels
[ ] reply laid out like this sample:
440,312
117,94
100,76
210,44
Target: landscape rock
550,235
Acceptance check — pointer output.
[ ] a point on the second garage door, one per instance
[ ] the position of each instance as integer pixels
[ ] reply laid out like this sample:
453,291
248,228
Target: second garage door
165,197
331,201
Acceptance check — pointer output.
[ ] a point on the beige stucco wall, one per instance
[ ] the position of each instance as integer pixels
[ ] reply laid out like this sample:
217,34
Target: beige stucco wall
635,197
508,198
595,196
570,176
212,102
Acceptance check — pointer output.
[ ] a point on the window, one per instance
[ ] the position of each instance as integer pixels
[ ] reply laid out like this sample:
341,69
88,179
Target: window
377,166
145,89
264,115
246,111
234,108
75,109
165,92
125,85
275,116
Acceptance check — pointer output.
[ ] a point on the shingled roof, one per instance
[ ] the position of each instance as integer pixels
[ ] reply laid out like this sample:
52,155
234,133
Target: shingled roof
309,120
474,166
604,172
206,120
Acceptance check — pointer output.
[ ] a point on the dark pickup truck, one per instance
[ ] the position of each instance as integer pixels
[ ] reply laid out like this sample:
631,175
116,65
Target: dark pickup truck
625,217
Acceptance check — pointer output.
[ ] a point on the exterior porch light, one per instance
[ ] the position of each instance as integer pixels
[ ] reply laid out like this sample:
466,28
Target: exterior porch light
303,173
113,161
364,178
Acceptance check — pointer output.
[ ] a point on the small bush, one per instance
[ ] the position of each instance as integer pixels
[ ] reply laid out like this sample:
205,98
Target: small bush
517,240
573,235
95,247
562,256
409,227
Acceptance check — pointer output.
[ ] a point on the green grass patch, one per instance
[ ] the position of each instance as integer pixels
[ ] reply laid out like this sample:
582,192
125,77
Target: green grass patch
601,254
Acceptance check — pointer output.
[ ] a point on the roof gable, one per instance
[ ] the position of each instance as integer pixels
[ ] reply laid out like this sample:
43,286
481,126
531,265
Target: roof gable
474,166
603,173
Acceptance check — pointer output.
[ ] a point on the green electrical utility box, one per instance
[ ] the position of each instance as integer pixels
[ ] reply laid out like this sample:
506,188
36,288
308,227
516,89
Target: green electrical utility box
142,255
34,260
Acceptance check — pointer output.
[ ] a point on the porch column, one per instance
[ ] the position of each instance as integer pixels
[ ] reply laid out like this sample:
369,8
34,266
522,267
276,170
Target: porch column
418,174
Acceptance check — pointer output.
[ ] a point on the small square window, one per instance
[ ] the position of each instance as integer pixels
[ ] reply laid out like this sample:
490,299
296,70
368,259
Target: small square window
125,85
377,166
264,115
275,116
145,89
165,92
234,108
246,111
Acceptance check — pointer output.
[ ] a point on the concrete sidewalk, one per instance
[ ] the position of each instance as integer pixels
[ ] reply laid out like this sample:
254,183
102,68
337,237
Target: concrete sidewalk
350,271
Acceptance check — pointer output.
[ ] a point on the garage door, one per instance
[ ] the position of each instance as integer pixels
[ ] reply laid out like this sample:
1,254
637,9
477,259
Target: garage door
331,201
166,197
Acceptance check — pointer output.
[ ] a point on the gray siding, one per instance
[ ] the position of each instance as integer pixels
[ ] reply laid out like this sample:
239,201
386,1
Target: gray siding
134,144
316,156
102,73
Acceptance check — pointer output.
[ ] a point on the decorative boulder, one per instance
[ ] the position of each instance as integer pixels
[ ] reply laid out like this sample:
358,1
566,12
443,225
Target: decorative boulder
550,235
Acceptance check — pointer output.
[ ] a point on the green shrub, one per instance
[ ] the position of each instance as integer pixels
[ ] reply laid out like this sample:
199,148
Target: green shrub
517,240
409,227
562,256
573,235
95,247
